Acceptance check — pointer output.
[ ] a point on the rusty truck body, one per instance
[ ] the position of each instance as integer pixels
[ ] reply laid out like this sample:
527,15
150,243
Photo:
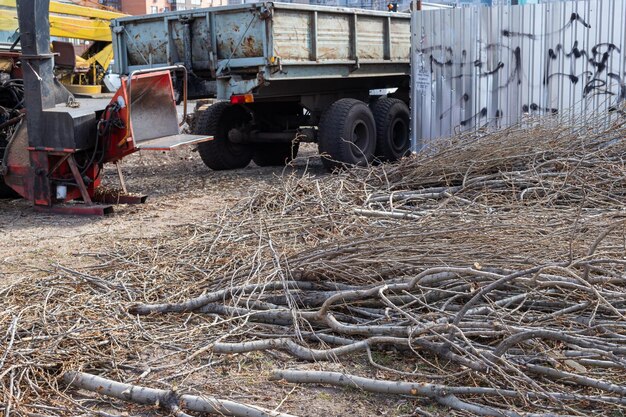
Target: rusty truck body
283,74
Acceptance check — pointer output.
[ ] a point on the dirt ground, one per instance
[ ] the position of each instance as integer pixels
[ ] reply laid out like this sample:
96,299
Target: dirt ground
181,191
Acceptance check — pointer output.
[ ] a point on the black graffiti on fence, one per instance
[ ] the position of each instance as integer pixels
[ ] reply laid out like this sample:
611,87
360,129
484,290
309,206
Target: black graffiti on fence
572,77
574,18
598,78
482,114
447,61
464,99
536,108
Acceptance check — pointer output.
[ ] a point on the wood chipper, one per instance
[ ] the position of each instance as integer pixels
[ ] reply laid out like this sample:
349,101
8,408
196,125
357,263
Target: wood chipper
53,147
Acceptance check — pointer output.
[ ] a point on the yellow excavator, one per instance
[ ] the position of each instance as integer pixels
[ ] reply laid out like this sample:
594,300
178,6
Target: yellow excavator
81,74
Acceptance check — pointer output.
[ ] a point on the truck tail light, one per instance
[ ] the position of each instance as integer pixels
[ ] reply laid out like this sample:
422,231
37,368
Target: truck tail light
242,99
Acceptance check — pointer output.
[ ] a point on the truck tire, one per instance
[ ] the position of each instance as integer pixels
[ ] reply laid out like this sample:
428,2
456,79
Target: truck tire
220,153
347,134
275,154
393,139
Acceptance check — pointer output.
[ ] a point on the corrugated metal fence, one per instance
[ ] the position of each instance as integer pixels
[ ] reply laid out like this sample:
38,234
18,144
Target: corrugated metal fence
479,66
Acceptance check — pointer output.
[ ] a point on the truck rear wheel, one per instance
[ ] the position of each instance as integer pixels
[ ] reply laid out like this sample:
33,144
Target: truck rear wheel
347,134
275,154
393,140
221,153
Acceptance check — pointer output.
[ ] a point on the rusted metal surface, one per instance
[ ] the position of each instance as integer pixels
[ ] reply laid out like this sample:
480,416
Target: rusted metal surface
239,35
249,46
400,40
333,37
371,45
490,66
148,42
17,157
295,42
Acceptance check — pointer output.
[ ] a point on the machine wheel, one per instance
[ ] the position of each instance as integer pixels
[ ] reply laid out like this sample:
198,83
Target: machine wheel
347,134
5,190
220,153
275,154
393,140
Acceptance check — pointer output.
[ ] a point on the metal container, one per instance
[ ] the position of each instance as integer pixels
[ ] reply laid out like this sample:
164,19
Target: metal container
269,48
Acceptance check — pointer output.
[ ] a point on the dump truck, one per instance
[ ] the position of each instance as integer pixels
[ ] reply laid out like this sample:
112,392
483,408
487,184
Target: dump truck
283,74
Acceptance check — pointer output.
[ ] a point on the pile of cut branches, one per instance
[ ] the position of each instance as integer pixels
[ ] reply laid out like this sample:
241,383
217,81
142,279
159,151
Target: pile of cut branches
490,268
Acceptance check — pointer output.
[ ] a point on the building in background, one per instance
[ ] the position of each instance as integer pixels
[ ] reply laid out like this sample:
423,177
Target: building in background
360,4
96,4
139,7
381,5
112,4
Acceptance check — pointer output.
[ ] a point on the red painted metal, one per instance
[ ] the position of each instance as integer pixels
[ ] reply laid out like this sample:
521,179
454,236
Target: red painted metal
80,183
54,177
121,142
56,153
36,172
41,184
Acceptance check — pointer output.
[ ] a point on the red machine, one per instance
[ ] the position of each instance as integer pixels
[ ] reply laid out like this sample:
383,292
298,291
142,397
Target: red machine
53,147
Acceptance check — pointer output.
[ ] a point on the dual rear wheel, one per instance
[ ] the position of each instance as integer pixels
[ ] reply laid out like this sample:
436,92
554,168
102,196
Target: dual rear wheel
222,153
350,133
393,139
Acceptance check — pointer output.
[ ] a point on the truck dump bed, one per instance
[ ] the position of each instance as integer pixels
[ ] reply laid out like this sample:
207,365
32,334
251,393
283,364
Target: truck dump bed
273,45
